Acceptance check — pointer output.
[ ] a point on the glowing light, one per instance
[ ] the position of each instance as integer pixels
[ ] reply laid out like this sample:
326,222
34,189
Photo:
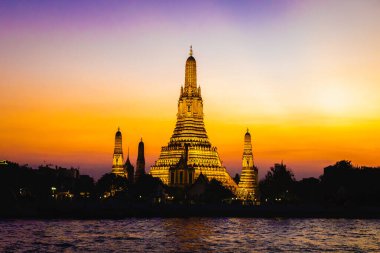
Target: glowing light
334,98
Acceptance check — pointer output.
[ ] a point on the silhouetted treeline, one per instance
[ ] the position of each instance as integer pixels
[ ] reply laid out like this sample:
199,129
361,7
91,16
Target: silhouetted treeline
57,183
47,183
340,184
22,182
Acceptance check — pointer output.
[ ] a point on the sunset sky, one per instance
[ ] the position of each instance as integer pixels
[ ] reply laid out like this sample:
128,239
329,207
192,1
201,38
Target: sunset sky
303,76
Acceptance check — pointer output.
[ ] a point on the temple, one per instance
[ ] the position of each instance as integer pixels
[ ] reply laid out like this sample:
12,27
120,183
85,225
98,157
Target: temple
117,162
140,163
129,169
189,149
247,189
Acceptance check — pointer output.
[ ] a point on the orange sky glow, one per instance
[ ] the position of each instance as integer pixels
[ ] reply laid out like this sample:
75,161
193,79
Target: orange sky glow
303,76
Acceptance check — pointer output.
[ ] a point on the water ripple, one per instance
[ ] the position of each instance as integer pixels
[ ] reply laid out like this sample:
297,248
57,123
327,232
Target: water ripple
190,235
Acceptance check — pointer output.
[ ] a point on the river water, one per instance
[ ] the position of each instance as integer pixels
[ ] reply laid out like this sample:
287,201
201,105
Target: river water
190,235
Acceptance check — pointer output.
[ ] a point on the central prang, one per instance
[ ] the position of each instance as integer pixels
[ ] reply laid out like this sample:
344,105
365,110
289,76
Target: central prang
189,152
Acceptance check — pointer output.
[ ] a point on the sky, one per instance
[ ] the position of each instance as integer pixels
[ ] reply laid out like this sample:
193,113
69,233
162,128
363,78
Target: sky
303,76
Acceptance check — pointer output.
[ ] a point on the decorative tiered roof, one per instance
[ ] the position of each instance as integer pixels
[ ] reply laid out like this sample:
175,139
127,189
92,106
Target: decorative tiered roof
117,162
190,129
247,189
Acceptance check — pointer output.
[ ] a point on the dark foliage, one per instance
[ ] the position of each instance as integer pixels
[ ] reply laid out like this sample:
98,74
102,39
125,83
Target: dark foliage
278,185
216,192
344,184
111,185
146,188
341,184
308,190
22,182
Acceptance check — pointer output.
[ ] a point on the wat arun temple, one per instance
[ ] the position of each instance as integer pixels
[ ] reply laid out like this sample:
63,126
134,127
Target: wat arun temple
189,152
189,156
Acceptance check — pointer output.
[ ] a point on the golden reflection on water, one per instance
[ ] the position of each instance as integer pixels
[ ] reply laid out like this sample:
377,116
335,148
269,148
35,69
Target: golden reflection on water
191,235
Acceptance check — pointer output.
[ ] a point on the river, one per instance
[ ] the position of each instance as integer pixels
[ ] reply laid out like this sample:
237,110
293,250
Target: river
190,235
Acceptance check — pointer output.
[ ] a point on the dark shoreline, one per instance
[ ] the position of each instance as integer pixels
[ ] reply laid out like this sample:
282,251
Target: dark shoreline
117,210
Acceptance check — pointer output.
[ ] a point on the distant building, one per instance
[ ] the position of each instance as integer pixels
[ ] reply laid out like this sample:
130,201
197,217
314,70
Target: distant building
129,169
140,163
190,132
247,188
117,162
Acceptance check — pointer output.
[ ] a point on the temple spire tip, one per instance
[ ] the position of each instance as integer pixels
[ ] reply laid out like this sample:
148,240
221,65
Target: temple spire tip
191,50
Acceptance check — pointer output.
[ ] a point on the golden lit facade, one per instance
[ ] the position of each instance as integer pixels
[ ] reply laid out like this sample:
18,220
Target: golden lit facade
247,188
117,162
190,130
182,174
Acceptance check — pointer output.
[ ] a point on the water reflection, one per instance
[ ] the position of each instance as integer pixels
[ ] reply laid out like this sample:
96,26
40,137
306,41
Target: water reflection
191,235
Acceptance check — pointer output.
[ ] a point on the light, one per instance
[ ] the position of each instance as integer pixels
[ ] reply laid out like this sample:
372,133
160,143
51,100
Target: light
53,188
334,97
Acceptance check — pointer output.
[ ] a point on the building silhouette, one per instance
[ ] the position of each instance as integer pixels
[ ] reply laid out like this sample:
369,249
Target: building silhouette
129,169
140,163
247,189
182,174
118,160
190,136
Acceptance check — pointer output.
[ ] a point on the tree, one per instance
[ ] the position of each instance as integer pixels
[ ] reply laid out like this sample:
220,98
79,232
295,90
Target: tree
309,190
278,185
146,188
216,192
112,184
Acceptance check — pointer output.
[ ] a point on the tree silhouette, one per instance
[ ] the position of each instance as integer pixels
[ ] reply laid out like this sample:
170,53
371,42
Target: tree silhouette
146,188
278,185
112,184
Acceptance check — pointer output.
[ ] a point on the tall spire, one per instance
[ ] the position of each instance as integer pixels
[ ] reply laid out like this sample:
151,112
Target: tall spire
118,142
140,163
190,131
117,162
248,146
248,179
190,74
129,169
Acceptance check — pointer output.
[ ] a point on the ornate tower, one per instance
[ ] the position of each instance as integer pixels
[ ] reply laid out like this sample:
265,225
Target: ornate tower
140,164
190,130
130,170
117,163
248,180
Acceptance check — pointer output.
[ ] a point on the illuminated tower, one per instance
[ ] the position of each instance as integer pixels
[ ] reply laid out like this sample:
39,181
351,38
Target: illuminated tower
247,188
190,130
129,169
140,163
117,163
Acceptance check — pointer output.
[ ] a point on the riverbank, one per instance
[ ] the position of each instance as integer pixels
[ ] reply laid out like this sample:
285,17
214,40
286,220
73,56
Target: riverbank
119,210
